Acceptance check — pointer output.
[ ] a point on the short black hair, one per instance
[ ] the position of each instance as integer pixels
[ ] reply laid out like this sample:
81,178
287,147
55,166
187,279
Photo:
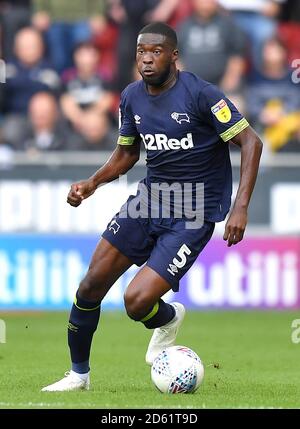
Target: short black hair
163,29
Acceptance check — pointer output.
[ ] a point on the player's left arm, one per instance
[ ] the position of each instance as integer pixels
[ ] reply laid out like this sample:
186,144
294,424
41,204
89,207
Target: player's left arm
251,149
230,125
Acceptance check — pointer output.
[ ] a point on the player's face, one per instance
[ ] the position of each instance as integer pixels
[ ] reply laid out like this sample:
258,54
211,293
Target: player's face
155,57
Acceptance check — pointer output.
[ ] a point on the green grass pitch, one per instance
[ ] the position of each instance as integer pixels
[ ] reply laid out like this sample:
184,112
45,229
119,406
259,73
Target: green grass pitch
249,357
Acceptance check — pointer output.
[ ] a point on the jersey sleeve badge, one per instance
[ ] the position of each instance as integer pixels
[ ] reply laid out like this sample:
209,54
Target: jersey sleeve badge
222,111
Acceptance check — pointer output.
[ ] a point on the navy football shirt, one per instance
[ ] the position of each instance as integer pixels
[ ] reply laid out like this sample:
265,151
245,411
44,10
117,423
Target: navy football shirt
186,131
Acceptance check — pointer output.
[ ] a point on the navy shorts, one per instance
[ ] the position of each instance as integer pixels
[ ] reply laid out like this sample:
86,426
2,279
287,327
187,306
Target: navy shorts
166,245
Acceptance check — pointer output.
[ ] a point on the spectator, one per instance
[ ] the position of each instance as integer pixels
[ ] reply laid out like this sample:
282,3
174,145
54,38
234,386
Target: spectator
130,16
212,47
96,133
273,99
29,73
289,29
105,37
291,11
14,14
173,12
44,130
85,90
258,19
64,24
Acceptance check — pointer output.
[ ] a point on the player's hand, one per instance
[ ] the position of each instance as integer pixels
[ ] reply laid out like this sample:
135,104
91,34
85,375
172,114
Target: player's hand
80,191
235,226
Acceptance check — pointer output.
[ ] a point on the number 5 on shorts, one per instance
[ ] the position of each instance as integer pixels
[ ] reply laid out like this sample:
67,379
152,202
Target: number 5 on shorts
179,263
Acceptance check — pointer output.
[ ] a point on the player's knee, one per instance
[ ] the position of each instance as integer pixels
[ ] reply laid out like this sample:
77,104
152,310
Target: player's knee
137,304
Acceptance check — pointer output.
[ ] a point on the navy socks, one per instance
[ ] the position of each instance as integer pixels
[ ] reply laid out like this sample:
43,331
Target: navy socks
160,314
83,323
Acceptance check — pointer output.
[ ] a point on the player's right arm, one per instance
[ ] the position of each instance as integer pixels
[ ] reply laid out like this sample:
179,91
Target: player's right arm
122,159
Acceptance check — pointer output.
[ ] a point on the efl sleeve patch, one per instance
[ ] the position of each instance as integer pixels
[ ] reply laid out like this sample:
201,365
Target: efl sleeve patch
222,111
126,141
234,130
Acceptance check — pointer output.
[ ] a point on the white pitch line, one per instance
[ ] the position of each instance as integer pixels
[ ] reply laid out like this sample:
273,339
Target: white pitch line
40,404
108,406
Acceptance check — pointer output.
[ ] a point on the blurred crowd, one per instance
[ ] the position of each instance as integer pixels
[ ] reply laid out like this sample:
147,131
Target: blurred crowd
67,63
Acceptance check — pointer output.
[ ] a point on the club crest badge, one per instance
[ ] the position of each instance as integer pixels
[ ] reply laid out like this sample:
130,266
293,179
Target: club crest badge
180,117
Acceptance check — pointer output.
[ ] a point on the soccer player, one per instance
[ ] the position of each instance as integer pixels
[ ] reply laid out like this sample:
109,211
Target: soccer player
185,124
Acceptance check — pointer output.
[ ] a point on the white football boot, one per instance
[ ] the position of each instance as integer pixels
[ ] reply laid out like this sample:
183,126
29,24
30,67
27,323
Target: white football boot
71,381
165,336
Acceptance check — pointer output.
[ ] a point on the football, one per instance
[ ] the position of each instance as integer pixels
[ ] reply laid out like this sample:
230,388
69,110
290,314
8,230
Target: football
177,369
